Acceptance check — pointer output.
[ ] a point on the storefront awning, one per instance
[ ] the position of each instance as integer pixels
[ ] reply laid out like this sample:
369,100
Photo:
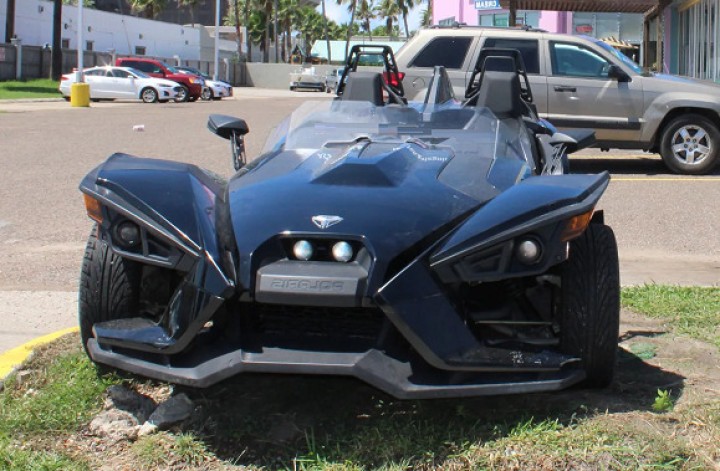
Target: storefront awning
633,6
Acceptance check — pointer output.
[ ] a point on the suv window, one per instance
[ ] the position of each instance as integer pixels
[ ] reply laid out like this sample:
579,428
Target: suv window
528,50
575,60
449,52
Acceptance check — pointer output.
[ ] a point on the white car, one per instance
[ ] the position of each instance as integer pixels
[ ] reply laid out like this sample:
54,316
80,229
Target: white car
214,89
122,83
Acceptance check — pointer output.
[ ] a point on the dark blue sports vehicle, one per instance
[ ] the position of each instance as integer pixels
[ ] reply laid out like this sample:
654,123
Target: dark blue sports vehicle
430,249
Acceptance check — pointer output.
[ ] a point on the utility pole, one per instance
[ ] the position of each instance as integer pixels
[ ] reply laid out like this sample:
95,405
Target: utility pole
10,21
56,58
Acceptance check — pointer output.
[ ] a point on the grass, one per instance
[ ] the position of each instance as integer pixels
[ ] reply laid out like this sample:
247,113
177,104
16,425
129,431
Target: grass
41,88
693,311
325,423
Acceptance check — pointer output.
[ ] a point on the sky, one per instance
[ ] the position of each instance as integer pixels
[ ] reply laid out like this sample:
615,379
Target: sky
339,14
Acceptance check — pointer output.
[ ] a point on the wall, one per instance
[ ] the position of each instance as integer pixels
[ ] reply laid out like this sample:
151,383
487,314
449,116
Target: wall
276,75
111,31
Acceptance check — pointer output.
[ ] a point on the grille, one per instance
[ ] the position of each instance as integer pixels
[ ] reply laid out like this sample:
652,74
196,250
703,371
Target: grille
332,323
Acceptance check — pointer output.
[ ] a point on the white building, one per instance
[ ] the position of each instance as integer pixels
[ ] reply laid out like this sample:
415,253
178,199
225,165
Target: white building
104,31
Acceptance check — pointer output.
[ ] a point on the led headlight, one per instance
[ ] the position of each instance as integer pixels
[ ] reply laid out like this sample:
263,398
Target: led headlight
342,252
528,251
303,250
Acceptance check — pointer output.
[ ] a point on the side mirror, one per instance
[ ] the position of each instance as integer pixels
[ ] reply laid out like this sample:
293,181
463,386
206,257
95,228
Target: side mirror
224,126
617,73
233,129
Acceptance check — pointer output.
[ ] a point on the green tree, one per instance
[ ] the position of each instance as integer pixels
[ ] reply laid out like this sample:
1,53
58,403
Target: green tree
86,3
389,10
191,5
365,13
352,6
427,16
149,8
405,6
310,25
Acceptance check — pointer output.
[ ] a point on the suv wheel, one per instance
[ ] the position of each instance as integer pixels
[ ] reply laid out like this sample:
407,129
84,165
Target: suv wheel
690,144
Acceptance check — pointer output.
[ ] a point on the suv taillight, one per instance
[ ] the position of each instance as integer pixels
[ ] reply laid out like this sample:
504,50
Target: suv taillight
391,78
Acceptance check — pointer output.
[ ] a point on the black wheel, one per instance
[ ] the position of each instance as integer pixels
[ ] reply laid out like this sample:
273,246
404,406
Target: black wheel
292,89
66,98
183,94
149,95
207,94
109,286
590,304
690,144
95,100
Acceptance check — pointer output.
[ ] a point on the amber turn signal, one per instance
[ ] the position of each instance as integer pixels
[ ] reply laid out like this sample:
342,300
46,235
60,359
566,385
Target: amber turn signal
94,209
576,225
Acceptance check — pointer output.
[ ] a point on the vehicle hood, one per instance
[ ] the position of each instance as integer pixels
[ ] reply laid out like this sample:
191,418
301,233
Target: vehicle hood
162,82
389,196
675,83
217,84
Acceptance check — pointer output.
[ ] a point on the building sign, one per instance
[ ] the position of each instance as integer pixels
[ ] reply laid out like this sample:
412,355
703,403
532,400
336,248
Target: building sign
584,29
487,4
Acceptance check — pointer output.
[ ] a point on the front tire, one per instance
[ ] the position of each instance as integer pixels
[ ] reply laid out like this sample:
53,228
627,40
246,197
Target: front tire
109,286
690,144
590,304
149,95
182,95
207,94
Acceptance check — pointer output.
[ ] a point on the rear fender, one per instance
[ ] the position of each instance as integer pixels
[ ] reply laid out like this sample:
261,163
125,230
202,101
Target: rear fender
539,208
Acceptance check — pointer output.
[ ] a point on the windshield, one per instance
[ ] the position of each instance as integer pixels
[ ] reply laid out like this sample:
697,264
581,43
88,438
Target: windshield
340,124
470,141
138,73
619,55
171,69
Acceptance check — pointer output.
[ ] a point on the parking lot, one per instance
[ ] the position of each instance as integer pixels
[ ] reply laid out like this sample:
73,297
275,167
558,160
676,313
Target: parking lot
668,226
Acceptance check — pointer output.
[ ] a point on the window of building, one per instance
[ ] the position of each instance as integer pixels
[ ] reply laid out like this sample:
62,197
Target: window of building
447,21
65,43
528,49
140,50
522,17
574,60
448,51
89,45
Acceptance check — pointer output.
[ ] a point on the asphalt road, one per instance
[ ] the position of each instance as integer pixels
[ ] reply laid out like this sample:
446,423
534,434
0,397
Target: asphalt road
668,226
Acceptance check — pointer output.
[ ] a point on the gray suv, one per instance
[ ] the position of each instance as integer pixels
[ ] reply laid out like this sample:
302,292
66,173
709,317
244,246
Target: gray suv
581,82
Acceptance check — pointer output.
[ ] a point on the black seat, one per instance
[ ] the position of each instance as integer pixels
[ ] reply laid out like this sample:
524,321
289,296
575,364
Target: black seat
364,86
500,89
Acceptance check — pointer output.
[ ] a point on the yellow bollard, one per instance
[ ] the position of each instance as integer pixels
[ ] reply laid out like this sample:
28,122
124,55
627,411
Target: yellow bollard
80,94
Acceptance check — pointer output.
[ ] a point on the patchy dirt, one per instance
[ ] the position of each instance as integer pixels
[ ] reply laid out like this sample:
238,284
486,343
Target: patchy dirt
273,421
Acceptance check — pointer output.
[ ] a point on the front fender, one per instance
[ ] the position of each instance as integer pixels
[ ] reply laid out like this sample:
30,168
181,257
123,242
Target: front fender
538,208
665,103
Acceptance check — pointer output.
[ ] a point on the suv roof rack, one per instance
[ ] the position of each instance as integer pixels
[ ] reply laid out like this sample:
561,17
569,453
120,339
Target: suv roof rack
456,25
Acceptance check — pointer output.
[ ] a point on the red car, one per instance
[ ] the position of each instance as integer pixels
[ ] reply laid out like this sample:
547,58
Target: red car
192,84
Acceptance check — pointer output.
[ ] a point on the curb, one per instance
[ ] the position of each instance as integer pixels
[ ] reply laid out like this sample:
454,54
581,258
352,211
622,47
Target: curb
14,358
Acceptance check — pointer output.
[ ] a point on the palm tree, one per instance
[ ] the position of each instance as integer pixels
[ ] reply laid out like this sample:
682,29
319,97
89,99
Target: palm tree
389,10
310,24
149,8
352,5
325,27
405,7
427,16
366,12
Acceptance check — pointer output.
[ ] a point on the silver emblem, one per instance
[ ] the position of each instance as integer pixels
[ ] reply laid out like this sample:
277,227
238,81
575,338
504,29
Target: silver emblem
323,221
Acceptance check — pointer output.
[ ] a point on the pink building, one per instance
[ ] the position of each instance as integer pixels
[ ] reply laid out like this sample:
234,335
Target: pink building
624,26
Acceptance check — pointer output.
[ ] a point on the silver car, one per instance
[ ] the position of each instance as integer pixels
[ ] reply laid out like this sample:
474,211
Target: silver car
581,82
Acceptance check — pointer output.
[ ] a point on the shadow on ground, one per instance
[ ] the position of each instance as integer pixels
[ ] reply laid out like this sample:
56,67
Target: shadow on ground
647,164
269,420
